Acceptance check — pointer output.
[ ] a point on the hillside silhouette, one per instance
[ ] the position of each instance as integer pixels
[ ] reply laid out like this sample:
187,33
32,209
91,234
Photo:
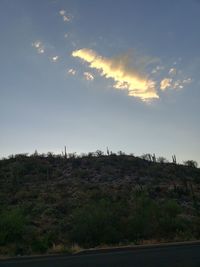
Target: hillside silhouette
56,203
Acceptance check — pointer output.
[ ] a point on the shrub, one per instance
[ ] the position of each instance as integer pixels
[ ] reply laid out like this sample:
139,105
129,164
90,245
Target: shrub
95,224
12,226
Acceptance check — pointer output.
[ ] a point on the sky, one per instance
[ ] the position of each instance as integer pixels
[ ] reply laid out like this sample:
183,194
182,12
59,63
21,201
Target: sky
93,74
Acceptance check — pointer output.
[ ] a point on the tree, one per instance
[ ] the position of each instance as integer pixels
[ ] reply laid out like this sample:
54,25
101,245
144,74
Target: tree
191,163
99,153
162,160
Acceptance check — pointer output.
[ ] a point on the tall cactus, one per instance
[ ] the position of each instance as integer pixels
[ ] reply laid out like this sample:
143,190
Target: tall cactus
174,159
65,153
108,152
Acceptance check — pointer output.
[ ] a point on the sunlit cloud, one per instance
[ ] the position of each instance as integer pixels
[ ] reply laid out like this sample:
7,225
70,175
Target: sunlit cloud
54,59
88,76
169,83
125,77
71,71
165,83
38,45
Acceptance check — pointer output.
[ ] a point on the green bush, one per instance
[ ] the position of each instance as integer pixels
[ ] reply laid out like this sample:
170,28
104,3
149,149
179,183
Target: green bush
40,245
96,223
142,221
12,226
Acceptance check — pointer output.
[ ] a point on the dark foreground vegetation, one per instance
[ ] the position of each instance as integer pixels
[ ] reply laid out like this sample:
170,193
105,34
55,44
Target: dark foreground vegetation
53,203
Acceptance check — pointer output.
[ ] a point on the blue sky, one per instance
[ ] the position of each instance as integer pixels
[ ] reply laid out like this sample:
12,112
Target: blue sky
91,74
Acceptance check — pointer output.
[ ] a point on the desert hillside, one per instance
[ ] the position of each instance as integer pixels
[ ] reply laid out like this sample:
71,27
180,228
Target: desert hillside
53,203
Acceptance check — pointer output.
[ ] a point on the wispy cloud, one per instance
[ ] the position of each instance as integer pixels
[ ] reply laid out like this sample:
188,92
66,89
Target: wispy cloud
157,69
125,77
88,76
71,71
62,12
172,72
54,59
38,45
179,84
66,17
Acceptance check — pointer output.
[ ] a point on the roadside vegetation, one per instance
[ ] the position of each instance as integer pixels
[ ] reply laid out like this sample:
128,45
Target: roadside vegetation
61,203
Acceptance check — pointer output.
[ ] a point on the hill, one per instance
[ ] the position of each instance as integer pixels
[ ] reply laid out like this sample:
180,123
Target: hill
53,203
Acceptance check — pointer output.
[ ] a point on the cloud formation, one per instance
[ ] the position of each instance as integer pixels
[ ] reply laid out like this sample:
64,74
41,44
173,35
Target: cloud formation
54,59
66,17
71,71
125,78
62,12
172,72
165,83
169,83
38,45
88,76
157,69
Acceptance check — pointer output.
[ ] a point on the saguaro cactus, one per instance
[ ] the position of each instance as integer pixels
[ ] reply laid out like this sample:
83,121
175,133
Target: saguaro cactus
108,152
174,159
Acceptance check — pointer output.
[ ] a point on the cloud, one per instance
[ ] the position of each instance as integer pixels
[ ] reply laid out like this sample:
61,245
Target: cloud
71,72
172,72
66,35
179,84
62,12
54,59
165,83
187,81
38,45
168,83
66,17
88,76
157,69
125,78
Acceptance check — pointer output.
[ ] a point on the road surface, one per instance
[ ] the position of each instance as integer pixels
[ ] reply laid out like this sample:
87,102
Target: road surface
169,256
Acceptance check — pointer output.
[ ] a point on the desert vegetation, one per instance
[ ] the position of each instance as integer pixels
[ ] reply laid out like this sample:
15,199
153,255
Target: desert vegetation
58,203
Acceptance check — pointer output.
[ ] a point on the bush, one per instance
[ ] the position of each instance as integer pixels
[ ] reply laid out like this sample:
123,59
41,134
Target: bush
12,226
142,221
39,245
95,224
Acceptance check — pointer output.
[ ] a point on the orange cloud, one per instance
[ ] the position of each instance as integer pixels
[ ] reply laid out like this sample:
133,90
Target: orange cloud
165,83
125,78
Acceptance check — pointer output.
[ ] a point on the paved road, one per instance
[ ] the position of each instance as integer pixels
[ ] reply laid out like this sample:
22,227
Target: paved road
175,256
